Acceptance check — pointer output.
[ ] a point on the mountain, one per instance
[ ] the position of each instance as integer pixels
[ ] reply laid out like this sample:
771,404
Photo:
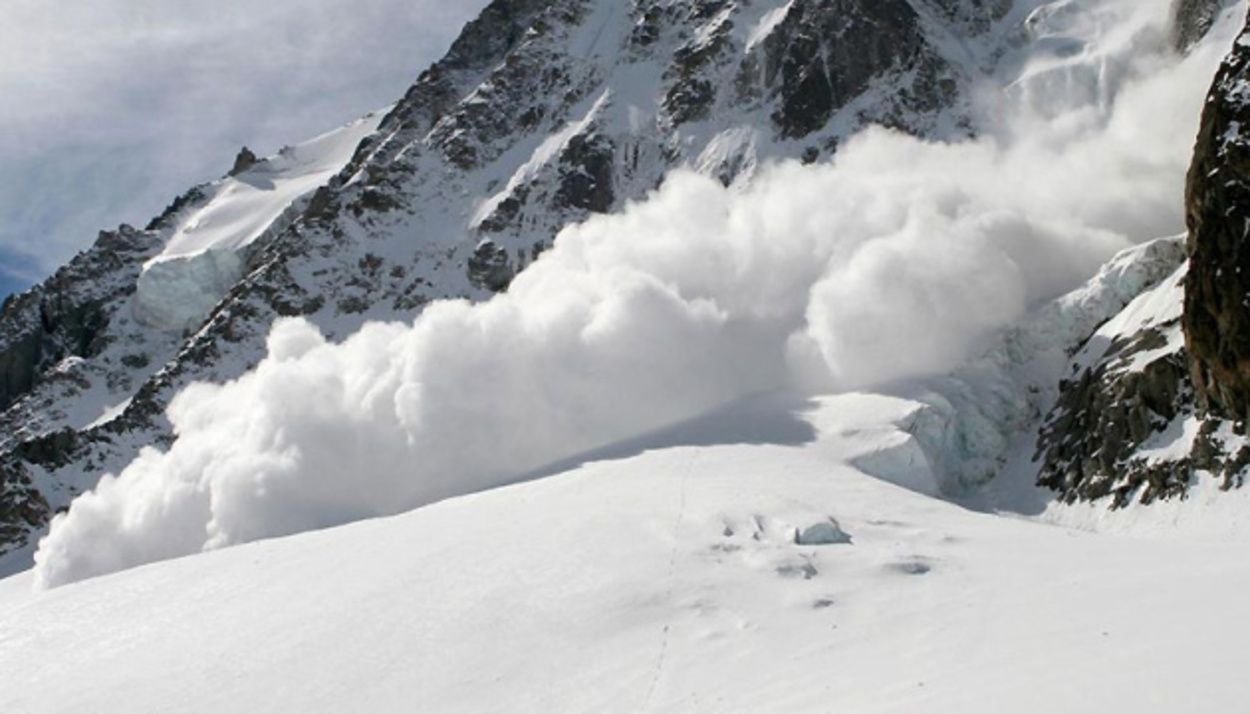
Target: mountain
795,414
1157,402
721,577
541,115
86,353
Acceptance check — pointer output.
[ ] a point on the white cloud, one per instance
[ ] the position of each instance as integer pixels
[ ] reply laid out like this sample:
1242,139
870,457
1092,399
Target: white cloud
109,108
891,263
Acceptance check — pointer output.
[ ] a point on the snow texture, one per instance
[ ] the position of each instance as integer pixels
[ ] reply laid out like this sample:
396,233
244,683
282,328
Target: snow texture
205,254
663,579
897,261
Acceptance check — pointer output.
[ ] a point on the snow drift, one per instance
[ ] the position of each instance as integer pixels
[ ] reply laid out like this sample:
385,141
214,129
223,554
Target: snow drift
898,260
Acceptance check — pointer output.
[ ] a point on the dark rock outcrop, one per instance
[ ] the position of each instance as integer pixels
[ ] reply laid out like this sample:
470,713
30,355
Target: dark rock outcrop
1192,20
490,268
244,161
586,174
1217,290
22,506
823,54
68,314
46,334
1091,442
1156,412
535,118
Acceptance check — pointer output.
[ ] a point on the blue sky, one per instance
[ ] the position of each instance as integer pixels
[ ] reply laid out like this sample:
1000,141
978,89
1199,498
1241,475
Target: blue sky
16,273
111,108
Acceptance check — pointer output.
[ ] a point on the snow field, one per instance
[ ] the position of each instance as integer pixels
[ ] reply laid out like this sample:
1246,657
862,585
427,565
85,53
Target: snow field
667,579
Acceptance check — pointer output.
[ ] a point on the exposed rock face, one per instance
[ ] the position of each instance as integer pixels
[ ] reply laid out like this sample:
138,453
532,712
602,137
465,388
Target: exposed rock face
587,174
1217,292
1093,438
67,315
48,338
1160,398
1193,20
490,267
978,14
824,54
244,161
543,112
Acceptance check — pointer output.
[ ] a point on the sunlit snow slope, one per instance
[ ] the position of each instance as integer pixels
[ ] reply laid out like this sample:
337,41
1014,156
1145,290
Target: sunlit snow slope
204,256
691,577
779,553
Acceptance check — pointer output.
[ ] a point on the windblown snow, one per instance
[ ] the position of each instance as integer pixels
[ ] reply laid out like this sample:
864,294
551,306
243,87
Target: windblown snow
670,575
726,450
898,261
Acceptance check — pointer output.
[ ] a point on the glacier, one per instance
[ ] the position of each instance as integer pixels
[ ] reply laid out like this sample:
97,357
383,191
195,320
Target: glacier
205,253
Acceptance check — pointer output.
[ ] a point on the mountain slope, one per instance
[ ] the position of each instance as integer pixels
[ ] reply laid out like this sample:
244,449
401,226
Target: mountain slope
717,582
1157,403
542,113
81,350
885,548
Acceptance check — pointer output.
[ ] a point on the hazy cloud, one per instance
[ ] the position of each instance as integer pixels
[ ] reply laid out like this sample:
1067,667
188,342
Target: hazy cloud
110,108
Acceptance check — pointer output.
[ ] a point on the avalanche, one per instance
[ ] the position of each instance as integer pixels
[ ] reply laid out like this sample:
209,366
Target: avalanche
726,449
664,576
899,260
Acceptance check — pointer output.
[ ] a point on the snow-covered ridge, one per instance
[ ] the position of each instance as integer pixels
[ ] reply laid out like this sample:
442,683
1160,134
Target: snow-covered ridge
974,417
206,249
242,206
679,88
547,113
659,472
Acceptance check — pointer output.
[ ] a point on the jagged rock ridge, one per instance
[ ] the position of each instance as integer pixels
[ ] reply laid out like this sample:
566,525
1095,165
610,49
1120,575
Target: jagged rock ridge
1194,19
1217,311
1161,400
542,113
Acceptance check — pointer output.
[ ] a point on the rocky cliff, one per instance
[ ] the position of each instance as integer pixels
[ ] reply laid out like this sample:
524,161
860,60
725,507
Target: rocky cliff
1194,19
1217,289
542,112
1158,400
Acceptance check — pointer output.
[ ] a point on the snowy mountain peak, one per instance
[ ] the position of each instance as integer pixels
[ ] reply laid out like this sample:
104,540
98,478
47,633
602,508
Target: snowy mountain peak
206,243
546,114
541,114
683,355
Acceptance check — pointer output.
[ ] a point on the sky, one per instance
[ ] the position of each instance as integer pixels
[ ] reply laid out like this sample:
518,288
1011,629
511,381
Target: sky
111,108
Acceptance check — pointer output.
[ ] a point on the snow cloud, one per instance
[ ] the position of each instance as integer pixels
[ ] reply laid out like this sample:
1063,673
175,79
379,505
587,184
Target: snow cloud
895,261
108,108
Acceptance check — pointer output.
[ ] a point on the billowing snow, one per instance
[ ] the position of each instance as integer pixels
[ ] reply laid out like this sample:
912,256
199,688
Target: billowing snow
665,577
896,262
767,23
203,257
1086,50
780,549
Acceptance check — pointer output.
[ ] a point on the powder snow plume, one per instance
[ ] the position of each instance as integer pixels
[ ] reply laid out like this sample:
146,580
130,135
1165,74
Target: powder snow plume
895,261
